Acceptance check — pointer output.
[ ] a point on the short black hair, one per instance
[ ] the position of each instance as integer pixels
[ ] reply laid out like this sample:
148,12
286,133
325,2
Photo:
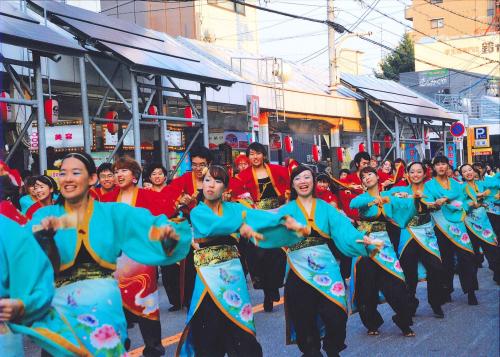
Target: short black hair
363,155
202,152
440,159
414,163
154,166
105,166
344,171
257,147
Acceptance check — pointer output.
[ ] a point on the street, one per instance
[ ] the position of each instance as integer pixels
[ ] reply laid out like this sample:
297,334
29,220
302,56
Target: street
465,330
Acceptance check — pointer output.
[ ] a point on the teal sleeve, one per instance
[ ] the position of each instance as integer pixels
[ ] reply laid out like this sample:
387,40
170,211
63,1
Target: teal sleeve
428,195
26,273
206,223
361,201
136,227
344,234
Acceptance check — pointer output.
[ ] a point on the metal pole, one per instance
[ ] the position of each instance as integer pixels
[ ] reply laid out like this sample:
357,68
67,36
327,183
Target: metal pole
135,117
20,137
42,149
87,137
120,142
368,128
396,136
204,112
444,137
332,63
163,125
106,92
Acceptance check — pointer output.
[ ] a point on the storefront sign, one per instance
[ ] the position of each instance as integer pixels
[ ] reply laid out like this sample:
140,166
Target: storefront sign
451,154
481,137
236,139
253,112
112,139
215,139
60,137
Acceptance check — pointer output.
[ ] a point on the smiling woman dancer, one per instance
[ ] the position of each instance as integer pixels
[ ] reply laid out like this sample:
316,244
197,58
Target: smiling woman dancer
220,318
382,271
418,243
447,199
478,224
314,289
86,294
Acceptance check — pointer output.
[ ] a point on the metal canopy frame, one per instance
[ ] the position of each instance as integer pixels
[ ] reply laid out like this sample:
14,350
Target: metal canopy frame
403,129
137,118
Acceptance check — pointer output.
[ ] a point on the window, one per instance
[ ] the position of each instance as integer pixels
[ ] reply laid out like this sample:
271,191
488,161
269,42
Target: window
229,5
436,1
437,23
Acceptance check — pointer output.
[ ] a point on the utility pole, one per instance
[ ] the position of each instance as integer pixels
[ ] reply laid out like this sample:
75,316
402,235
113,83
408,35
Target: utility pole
332,57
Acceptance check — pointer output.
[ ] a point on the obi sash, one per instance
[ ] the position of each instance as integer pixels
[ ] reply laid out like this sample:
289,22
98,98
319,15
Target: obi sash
268,203
478,223
454,231
220,275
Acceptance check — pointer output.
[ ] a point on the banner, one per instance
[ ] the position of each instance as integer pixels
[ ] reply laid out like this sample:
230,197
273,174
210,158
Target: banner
451,154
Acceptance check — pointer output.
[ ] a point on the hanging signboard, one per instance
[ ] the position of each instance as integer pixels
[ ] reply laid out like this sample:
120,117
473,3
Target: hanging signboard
451,154
411,153
481,137
253,112
236,139
62,136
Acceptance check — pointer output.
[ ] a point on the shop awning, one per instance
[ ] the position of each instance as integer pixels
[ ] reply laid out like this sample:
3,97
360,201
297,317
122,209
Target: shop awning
395,97
141,49
19,29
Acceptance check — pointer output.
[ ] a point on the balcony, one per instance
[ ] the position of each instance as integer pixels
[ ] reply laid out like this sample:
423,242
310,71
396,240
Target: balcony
409,13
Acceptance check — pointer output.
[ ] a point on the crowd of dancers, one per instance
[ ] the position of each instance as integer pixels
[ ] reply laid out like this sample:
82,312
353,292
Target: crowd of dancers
79,259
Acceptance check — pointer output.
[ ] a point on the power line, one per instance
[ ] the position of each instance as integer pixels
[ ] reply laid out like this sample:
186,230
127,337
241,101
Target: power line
456,13
427,35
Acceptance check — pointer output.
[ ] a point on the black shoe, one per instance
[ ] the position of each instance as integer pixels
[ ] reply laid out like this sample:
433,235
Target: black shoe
472,299
276,295
405,328
174,308
438,312
268,304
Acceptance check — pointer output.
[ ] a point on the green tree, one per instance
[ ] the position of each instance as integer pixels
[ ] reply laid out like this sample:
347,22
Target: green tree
402,59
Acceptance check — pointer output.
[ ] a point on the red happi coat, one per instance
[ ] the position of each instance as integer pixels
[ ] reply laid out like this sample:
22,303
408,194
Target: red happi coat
326,195
346,195
185,184
138,282
33,208
246,181
97,193
10,211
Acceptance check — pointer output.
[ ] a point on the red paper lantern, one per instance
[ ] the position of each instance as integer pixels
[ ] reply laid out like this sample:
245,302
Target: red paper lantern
315,152
340,154
361,147
376,149
112,127
188,114
153,110
387,141
5,108
51,107
288,144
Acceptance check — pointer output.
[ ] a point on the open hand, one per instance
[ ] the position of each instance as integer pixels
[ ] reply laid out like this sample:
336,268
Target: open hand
292,225
247,232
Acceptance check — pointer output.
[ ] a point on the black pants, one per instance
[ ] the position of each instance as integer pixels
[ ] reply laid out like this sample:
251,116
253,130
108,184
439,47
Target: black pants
267,267
188,277
151,334
303,304
412,254
170,276
215,335
490,251
495,222
370,279
467,269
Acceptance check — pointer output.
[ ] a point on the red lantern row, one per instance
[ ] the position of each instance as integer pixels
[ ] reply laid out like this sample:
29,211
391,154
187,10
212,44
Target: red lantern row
316,152
288,144
51,107
112,127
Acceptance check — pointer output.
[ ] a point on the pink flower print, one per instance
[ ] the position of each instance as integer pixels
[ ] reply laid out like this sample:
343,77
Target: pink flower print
338,289
88,320
397,267
454,229
487,233
322,280
246,313
386,258
104,337
232,298
457,204
465,238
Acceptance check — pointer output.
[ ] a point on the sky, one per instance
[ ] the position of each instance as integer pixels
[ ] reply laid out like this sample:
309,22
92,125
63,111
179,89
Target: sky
305,42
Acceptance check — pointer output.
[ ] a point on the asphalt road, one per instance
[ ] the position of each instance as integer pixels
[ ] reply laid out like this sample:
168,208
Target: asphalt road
465,330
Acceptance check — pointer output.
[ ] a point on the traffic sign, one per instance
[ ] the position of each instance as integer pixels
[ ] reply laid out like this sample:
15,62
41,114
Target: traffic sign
457,129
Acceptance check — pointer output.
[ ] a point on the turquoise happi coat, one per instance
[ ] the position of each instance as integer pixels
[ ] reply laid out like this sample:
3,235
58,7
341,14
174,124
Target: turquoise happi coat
492,200
373,219
26,275
449,219
315,264
218,268
93,306
477,218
